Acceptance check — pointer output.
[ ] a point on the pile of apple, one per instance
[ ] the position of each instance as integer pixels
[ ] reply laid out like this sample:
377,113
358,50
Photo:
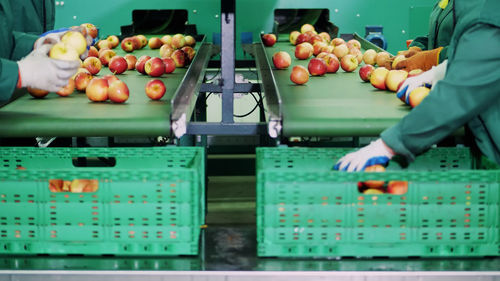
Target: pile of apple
380,187
73,186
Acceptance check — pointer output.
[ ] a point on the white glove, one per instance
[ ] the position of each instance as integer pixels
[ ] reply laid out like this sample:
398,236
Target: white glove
37,70
376,152
427,79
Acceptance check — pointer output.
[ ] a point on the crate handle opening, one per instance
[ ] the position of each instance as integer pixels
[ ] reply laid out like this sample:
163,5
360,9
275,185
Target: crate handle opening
383,187
73,186
94,162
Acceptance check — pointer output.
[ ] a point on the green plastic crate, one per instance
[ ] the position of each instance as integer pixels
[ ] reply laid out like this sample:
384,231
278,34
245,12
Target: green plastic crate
151,202
304,209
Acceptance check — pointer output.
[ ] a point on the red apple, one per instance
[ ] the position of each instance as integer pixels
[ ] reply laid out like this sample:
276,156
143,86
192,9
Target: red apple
82,80
316,67
97,90
93,65
93,52
269,39
139,66
307,27
166,51
154,67
315,38
370,56
365,72
282,60
322,55
377,79
37,93
154,43
357,53
318,47
131,61
382,58
113,41
106,56
118,92
349,63
118,65
373,183
299,75
341,50
332,63
397,187
155,89
337,41
326,37
190,41
169,65
178,41
179,58
128,45
418,95
353,43
190,53
91,29
304,51
293,37
68,89
394,79
110,78
143,40
302,38
328,49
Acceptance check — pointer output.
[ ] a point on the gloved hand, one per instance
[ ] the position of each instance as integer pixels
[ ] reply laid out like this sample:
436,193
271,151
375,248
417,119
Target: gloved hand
427,79
410,52
424,60
37,70
375,153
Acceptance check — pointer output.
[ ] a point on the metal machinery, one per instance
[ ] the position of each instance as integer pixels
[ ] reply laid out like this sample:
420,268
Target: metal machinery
226,252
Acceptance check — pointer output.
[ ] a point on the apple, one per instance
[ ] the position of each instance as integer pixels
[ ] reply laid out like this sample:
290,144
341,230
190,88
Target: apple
340,50
372,183
418,95
302,38
369,57
55,185
396,60
316,67
370,191
75,40
139,66
377,79
97,90
179,58
110,78
93,52
68,89
131,61
322,55
282,60
190,41
337,41
178,41
118,65
128,45
326,37
190,53
318,47
169,65
118,92
62,51
37,93
332,63
155,89
166,39
299,75
349,63
80,69
166,51
82,80
269,39
142,39
103,44
154,67
328,49
113,41
353,43
293,37
415,72
315,38
154,43
106,56
304,51
90,29
394,79
365,72
397,187
307,27
382,58
357,53
93,65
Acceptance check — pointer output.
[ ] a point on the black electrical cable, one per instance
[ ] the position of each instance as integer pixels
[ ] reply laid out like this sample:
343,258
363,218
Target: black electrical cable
213,77
258,104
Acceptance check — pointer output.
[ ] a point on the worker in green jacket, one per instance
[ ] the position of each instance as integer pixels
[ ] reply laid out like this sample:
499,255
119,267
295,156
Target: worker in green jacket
428,51
468,94
33,16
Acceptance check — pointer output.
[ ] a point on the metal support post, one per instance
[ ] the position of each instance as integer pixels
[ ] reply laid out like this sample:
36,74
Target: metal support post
227,58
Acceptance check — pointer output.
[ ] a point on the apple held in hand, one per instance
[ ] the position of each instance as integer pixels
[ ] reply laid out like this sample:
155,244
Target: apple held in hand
154,67
62,51
395,79
370,56
90,29
68,89
396,60
365,72
418,95
118,65
75,40
118,92
93,65
269,39
155,89
282,60
304,51
316,67
131,61
349,63
332,63
169,65
299,75
382,58
378,77
415,72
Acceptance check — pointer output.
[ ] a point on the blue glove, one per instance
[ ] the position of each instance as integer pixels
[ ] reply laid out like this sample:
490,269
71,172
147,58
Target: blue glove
375,153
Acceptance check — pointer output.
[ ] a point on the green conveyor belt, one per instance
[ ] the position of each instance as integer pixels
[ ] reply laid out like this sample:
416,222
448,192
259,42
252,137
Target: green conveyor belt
339,104
76,116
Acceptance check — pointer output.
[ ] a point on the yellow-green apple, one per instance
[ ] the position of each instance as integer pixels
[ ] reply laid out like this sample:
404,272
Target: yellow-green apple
37,93
166,39
373,191
97,90
179,58
370,56
166,51
373,183
268,39
106,56
75,40
349,63
326,37
318,47
102,44
118,92
337,41
418,95
93,65
397,187
90,29
154,67
154,43
307,27
128,45
169,65
378,77
190,41
139,66
68,89
394,79
316,67
282,60
155,89
110,78
113,41
382,58
397,59
93,52
332,63
340,50
293,37
365,72
353,43
190,53
302,38
118,65
62,51
143,40
415,72
82,80
131,61
299,75
304,51
357,53
178,41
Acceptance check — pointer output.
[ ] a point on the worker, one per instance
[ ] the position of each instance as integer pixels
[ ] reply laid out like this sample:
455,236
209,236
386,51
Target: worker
468,94
33,16
428,51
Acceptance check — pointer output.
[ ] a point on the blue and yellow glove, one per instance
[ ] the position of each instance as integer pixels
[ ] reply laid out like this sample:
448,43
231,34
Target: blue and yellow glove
427,79
376,153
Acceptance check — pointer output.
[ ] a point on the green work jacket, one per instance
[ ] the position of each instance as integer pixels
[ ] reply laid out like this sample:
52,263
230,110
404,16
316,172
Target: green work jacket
468,95
33,16
15,45
441,25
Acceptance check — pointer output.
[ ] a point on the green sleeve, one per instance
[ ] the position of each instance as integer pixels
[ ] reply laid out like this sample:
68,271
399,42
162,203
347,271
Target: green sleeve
420,42
443,55
471,84
23,44
9,73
